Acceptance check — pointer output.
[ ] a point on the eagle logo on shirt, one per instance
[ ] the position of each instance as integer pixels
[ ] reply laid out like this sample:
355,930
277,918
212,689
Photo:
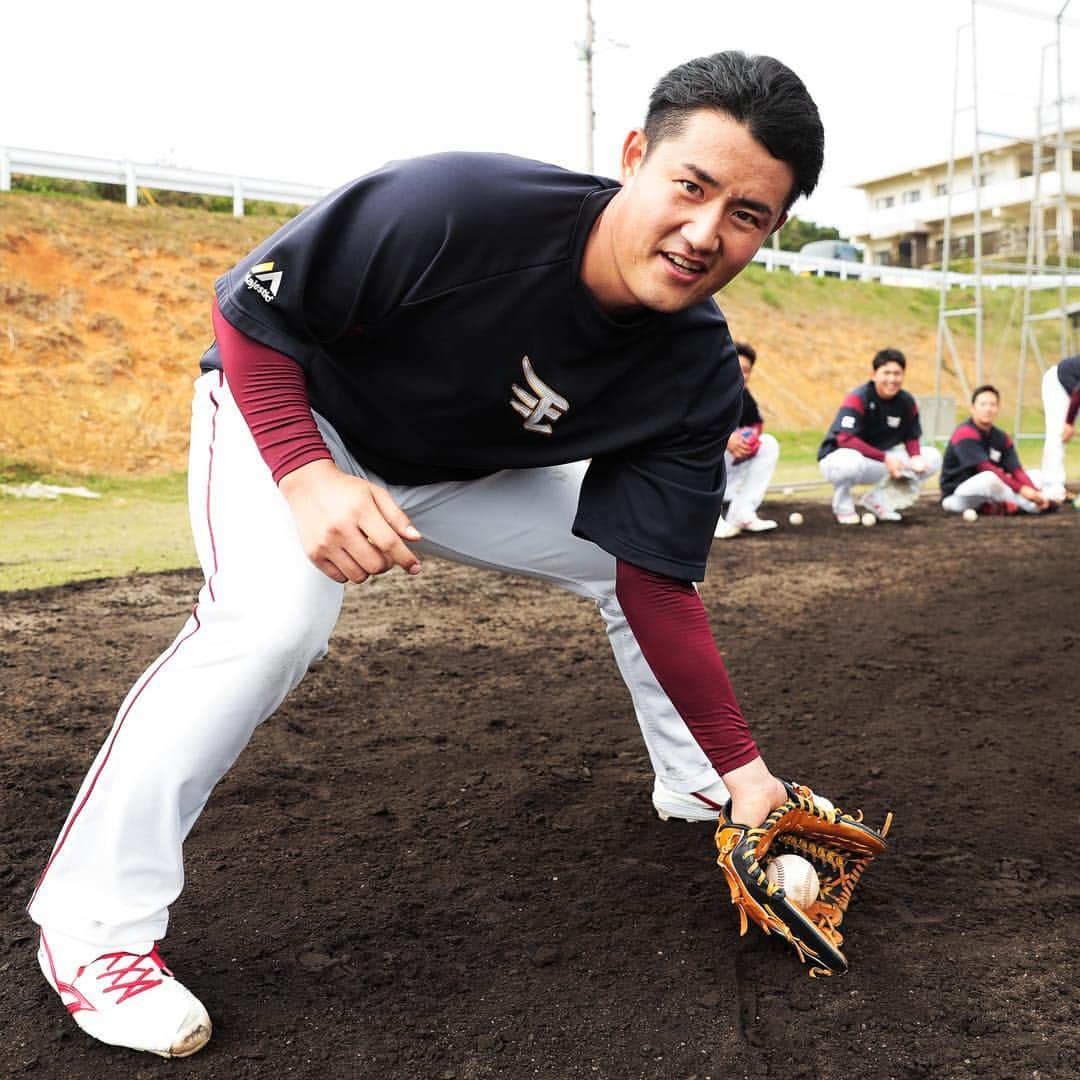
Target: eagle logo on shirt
540,405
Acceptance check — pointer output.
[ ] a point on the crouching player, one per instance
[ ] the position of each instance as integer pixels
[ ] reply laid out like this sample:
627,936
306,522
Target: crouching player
875,437
982,469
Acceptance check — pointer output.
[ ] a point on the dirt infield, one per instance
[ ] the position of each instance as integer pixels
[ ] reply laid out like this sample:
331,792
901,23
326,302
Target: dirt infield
439,859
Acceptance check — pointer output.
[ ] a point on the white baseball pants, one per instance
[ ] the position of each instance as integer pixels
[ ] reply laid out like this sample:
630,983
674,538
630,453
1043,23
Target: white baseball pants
844,468
263,615
748,480
986,487
1055,408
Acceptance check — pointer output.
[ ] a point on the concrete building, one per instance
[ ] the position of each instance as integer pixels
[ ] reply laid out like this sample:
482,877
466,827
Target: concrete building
906,212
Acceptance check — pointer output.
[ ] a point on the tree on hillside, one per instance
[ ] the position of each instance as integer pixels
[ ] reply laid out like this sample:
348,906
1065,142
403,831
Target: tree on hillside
797,232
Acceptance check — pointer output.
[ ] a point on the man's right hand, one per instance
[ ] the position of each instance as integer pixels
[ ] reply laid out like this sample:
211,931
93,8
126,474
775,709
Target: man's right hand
350,528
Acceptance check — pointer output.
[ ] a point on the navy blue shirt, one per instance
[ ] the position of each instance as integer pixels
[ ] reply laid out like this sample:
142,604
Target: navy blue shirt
879,423
750,414
1068,373
437,310
969,448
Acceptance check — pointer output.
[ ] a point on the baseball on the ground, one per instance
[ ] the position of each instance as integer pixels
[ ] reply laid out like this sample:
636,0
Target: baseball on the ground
970,514
797,877
868,519
796,518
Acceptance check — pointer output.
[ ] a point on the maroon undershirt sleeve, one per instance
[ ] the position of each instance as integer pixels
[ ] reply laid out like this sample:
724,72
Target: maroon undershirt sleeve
1022,478
853,442
1074,406
270,391
912,447
669,621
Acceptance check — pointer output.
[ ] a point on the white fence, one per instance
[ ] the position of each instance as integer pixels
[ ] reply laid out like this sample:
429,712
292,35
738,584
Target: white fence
134,175
771,258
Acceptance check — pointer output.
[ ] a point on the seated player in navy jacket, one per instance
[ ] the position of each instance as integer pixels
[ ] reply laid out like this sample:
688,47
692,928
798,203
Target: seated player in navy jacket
751,458
982,469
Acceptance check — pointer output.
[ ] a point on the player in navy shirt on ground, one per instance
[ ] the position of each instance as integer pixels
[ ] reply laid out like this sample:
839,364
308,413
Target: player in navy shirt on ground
421,364
874,437
1061,402
750,460
982,469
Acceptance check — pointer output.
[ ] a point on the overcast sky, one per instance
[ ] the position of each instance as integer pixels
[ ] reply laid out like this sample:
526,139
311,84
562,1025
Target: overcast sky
324,90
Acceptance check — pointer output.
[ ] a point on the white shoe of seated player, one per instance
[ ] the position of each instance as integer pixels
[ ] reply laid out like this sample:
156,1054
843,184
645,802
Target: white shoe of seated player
756,524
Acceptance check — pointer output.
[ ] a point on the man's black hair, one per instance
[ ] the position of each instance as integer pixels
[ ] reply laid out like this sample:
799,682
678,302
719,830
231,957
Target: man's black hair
986,388
758,91
890,356
748,351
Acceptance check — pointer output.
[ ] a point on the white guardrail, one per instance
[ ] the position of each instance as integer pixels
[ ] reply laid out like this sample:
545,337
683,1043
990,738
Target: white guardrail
134,175
771,258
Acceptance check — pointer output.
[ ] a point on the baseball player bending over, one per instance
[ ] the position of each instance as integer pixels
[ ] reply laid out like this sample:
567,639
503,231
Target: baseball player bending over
875,437
982,469
1061,402
419,365
750,459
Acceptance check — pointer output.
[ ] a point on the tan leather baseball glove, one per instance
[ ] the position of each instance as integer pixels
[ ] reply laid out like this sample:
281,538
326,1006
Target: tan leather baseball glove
839,845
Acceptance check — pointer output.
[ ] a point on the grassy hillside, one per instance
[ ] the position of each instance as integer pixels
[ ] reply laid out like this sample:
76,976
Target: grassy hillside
104,311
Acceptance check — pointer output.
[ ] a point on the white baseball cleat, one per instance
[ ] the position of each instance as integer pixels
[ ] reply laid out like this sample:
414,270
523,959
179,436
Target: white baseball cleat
724,531
124,997
847,519
879,508
756,524
702,805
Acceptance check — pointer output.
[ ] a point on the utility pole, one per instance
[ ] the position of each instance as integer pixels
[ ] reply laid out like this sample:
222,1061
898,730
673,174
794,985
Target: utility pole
587,56
586,51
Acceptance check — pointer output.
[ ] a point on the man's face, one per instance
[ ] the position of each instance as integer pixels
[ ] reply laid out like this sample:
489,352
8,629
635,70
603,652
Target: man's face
746,366
888,379
984,410
690,215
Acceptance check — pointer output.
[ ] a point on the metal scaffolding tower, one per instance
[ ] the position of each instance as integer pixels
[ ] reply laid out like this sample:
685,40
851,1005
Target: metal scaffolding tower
1049,115
1037,264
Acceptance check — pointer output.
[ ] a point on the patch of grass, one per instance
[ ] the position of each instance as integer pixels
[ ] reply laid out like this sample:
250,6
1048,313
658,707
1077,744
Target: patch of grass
138,525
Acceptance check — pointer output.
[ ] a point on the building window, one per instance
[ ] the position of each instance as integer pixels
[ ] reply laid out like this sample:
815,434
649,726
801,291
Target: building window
1076,161
884,202
912,196
941,189
985,178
